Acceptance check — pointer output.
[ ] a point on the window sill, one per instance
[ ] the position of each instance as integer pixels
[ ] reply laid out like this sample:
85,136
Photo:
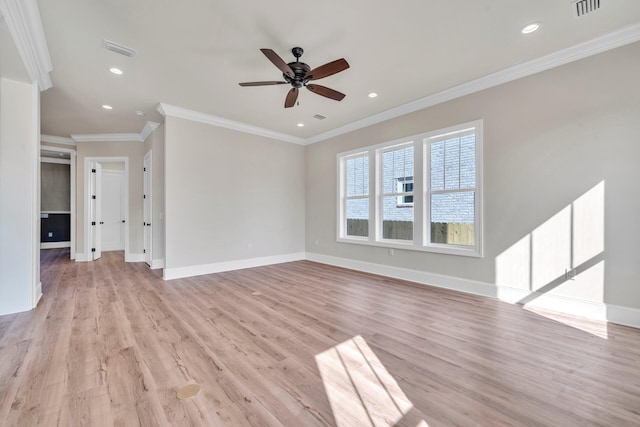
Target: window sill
466,251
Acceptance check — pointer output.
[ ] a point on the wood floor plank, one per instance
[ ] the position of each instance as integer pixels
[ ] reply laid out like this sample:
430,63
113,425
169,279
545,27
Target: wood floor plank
301,344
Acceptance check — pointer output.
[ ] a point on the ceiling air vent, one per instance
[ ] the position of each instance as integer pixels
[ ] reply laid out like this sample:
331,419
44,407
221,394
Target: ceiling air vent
319,117
118,48
583,7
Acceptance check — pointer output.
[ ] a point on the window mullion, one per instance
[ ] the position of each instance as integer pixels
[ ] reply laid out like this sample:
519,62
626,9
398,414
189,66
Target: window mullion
454,190
373,195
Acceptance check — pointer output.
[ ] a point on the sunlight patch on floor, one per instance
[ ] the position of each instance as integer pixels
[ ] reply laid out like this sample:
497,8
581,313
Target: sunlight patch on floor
597,328
359,388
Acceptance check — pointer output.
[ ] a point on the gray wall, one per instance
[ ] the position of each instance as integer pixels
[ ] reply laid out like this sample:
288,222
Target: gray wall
562,141
230,195
55,187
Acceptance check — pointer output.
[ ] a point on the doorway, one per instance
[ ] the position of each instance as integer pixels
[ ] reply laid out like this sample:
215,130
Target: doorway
106,208
56,207
112,208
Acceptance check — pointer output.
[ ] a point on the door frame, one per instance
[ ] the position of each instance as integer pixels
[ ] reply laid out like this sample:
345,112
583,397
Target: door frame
95,203
147,208
88,238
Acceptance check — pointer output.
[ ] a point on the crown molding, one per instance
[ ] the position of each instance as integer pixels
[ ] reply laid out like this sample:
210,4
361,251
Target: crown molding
108,137
25,26
148,128
57,140
622,37
183,113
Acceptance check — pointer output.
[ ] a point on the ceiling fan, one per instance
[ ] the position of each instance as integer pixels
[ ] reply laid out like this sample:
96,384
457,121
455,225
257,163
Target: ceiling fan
298,74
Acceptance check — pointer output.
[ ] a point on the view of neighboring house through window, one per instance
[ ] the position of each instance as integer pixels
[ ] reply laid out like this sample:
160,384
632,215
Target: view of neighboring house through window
397,193
424,192
405,185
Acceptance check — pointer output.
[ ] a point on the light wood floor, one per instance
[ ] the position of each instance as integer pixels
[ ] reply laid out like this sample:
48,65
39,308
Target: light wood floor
301,344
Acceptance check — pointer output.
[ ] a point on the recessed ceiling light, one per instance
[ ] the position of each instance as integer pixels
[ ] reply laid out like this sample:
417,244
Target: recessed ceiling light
300,125
530,28
115,70
373,95
107,107
139,113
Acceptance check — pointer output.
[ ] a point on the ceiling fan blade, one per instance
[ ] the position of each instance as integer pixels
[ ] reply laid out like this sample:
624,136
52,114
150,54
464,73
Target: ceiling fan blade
262,83
292,97
326,92
327,69
278,62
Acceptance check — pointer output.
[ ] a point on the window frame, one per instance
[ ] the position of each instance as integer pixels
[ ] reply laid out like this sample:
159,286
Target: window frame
421,194
344,196
381,194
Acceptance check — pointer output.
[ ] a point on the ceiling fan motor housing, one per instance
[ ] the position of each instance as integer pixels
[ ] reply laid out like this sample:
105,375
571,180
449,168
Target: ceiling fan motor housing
300,69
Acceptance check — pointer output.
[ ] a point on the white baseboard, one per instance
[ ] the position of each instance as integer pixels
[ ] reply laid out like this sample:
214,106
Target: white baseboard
157,263
197,270
54,245
81,257
590,309
38,294
134,257
623,315
422,277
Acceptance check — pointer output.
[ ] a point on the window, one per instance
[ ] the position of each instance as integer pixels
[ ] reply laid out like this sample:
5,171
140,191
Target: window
424,192
397,216
356,200
452,188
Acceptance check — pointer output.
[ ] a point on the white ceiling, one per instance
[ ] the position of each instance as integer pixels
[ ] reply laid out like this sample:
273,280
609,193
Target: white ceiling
192,54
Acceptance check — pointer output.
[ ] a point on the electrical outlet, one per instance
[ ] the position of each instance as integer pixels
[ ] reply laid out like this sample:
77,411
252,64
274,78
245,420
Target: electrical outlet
391,252
569,274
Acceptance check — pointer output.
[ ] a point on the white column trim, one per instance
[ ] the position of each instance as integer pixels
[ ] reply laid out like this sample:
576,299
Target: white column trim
25,26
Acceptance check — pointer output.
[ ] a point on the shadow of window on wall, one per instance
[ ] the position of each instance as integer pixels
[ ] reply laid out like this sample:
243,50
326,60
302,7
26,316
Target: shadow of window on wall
563,258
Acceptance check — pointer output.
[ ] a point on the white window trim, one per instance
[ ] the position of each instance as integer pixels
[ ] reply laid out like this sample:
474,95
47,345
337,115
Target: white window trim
343,197
421,228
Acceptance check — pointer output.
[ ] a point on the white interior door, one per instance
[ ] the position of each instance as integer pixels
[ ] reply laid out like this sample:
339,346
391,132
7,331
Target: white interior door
96,210
147,207
112,210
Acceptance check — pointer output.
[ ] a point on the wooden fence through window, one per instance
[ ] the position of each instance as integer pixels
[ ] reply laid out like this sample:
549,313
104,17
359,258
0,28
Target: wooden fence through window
441,232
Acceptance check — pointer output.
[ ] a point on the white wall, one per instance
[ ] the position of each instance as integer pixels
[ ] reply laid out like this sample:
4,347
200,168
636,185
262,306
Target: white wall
561,150
230,197
19,196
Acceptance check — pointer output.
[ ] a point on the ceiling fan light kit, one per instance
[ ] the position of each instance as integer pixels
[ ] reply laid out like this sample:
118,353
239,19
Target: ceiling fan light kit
298,74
